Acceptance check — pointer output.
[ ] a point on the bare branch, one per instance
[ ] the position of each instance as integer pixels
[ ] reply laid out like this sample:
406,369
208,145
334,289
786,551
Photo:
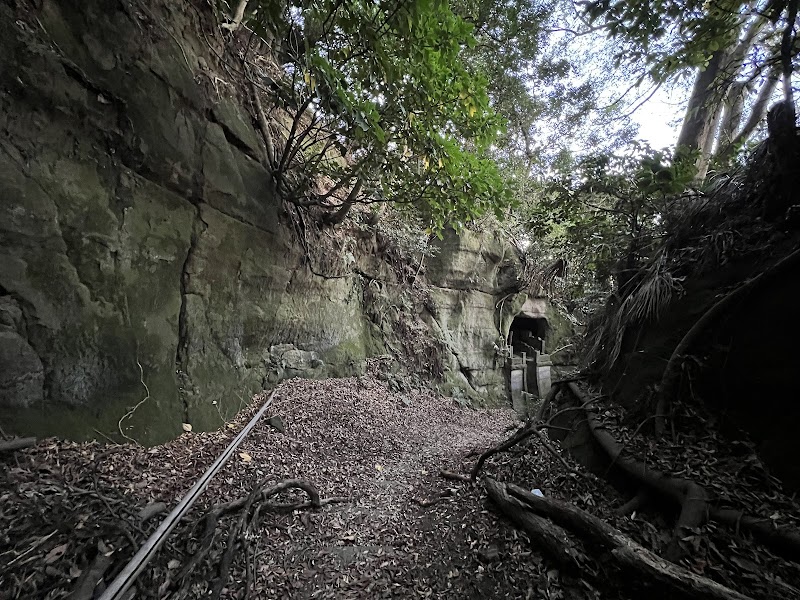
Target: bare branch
238,15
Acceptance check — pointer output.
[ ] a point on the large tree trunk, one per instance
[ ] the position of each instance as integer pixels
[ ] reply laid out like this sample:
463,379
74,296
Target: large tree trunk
710,136
700,110
787,45
714,88
727,147
734,104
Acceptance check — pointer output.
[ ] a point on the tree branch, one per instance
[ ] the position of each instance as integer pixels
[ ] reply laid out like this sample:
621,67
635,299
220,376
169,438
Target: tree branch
238,15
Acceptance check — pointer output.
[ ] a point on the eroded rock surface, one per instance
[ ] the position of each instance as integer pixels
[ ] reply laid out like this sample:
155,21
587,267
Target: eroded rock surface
146,257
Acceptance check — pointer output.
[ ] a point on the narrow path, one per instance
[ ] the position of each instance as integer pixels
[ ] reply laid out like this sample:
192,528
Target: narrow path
352,437
68,504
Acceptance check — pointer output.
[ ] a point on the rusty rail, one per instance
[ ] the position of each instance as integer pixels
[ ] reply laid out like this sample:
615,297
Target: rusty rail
126,577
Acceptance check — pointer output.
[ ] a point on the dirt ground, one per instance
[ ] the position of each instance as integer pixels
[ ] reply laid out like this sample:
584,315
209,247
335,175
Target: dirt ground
70,513
66,504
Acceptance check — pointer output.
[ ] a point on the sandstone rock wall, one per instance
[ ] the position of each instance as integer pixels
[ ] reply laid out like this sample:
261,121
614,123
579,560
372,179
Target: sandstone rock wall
145,260
473,278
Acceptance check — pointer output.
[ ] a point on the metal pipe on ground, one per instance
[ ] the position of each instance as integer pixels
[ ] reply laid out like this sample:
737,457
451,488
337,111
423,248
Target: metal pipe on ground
126,577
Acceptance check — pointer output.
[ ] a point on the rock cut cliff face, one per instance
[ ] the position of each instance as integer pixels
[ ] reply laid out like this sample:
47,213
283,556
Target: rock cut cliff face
145,260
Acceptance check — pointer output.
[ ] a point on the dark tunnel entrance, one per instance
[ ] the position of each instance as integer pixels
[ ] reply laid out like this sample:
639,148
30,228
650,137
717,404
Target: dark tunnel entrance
527,334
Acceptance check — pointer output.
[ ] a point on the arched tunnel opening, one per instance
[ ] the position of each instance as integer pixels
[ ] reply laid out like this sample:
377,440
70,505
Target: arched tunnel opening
527,334
529,370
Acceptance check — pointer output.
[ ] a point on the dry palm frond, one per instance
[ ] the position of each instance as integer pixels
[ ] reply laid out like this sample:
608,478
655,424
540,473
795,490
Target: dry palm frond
654,291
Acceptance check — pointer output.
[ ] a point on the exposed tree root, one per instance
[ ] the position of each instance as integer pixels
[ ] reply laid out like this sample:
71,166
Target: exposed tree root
668,387
17,444
689,498
552,539
249,511
687,495
781,540
523,433
642,567
634,504
548,400
263,126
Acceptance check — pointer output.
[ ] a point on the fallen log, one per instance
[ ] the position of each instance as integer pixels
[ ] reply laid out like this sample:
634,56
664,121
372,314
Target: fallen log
543,534
645,567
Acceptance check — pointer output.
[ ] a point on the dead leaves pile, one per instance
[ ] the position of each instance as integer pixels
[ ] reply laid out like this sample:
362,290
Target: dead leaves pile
70,513
71,510
62,527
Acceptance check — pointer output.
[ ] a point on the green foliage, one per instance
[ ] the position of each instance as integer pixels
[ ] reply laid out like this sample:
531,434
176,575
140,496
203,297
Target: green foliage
384,84
605,214
540,81
668,35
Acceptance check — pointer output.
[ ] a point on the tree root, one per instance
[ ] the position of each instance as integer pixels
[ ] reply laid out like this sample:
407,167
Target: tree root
531,428
690,498
263,126
523,433
239,535
641,566
631,506
548,400
667,389
784,541
687,495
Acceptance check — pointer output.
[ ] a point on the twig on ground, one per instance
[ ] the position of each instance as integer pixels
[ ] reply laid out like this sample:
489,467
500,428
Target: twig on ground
455,476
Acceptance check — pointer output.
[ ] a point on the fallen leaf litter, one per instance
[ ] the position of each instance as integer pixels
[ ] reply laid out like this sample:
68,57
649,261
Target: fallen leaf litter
68,507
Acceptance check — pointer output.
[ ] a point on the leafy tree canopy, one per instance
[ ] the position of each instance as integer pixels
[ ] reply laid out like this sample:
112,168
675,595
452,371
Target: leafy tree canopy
737,50
668,35
538,81
384,87
604,213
